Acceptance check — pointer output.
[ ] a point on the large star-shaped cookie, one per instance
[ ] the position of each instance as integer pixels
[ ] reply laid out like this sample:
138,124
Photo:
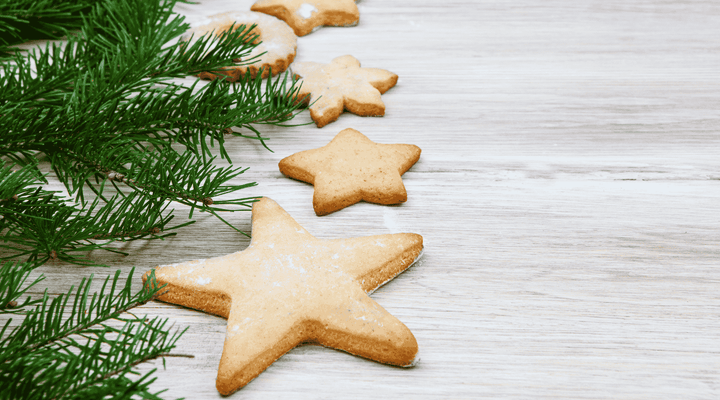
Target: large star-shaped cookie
352,168
304,16
288,287
342,85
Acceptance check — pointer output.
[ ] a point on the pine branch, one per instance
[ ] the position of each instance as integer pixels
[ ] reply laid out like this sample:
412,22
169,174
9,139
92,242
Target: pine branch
141,342
12,277
44,227
22,20
164,174
122,52
46,324
102,353
118,387
53,357
103,109
18,183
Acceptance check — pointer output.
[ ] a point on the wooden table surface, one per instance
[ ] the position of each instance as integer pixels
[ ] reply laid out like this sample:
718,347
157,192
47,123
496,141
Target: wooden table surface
568,194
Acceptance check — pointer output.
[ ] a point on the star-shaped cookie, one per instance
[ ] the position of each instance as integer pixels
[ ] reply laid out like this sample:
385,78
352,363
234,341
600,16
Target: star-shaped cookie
342,85
288,288
352,168
305,16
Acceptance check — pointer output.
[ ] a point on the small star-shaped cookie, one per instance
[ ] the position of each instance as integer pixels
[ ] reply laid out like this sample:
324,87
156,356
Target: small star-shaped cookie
343,85
304,16
289,288
352,168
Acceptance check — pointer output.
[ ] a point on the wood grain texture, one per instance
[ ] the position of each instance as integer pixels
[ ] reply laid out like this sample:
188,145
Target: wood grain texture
568,194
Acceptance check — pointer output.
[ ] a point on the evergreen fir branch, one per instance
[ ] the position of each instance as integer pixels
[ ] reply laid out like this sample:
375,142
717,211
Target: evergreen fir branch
22,20
120,388
21,132
185,115
145,23
212,110
211,52
12,277
21,200
192,116
100,158
184,178
45,233
46,324
78,366
118,151
113,54
52,357
115,27
15,184
42,74
115,88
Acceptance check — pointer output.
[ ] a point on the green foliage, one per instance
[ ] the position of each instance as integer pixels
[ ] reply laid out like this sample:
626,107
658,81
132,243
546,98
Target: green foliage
51,355
102,107
22,20
103,111
13,277
45,227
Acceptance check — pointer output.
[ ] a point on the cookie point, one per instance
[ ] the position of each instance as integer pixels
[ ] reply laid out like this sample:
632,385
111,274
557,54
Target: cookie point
284,163
224,387
263,201
413,362
264,206
417,237
408,351
349,131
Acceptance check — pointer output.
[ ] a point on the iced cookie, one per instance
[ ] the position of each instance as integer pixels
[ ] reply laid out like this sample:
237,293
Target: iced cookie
352,168
342,85
276,38
288,288
305,16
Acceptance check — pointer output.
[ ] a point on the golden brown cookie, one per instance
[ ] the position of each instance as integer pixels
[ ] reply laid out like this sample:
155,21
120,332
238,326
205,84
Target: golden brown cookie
289,288
305,16
342,85
352,168
276,38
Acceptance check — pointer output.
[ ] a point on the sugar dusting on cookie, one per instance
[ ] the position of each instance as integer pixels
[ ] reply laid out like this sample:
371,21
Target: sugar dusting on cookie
306,10
203,281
